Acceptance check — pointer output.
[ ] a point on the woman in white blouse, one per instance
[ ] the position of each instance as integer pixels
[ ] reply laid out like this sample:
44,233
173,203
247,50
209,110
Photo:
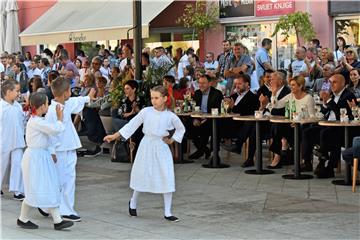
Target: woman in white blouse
283,133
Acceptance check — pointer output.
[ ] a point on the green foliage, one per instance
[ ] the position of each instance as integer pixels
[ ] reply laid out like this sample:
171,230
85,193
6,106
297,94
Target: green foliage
200,17
117,93
298,21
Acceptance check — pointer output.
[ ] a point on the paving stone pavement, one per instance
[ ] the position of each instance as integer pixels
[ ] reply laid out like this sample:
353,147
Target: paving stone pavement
211,204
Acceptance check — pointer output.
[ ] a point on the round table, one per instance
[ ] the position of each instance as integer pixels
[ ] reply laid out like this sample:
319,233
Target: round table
346,125
181,154
297,173
258,168
215,161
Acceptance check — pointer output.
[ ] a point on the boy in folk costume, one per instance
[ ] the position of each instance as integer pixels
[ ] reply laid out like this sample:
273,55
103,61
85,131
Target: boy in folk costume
153,169
12,125
40,177
66,143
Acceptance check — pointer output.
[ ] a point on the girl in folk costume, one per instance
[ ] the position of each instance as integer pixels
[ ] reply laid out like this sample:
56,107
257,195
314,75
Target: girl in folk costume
12,127
153,169
41,182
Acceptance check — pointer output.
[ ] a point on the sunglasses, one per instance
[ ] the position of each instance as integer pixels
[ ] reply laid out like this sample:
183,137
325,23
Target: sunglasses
349,52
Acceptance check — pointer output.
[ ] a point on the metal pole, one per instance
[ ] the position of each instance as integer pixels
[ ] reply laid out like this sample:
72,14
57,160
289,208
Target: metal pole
137,37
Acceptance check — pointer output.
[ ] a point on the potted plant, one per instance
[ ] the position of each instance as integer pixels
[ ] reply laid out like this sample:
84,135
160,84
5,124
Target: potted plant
299,22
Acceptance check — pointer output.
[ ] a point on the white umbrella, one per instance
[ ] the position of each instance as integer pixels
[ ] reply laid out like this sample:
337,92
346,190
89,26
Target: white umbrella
2,25
12,40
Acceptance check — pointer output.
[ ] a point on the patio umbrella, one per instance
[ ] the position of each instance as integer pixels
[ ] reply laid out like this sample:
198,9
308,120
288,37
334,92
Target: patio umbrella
12,40
2,25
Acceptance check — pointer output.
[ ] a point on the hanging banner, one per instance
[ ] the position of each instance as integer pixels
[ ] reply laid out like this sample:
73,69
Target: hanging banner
265,8
236,8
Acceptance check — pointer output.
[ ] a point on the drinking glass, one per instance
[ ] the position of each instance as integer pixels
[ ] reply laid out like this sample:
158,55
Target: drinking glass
342,111
226,106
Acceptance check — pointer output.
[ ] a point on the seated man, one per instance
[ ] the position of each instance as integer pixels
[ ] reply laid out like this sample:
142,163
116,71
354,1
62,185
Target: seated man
353,152
206,97
243,102
330,138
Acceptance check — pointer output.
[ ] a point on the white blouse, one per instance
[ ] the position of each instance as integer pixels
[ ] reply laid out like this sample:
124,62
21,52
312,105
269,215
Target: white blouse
307,100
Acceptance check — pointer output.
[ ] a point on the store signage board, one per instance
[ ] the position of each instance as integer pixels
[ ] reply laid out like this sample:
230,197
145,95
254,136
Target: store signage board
266,8
236,8
77,37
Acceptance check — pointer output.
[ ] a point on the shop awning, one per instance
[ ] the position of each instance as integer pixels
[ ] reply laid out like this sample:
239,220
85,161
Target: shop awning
84,21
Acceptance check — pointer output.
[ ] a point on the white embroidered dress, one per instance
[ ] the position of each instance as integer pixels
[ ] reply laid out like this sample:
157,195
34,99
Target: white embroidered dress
153,169
42,188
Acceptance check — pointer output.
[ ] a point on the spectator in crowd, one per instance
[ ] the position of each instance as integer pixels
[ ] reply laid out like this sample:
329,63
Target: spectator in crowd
238,63
283,133
314,69
339,52
47,53
127,57
298,66
206,97
177,57
35,83
145,64
265,88
168,82
315,43
45,69
105,68
67,65
27,60
262,58
354,85
51,76
81,69
243,102
183,62
181,89
347,63
115,73
161,60
323,84
10,61
327,56
20,59
33,69
21,78
211,65
95,66
329,138
223,57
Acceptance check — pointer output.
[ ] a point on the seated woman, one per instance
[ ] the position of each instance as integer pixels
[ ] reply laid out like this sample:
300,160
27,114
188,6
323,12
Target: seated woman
181,89
129,106
354,85
283,134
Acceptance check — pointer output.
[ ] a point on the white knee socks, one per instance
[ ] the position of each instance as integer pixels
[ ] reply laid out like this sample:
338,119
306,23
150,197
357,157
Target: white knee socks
24,214
134,199
55,213
167,204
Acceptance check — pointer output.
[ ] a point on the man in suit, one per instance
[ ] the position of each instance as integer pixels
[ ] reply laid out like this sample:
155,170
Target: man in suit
243,102
329,138
200,130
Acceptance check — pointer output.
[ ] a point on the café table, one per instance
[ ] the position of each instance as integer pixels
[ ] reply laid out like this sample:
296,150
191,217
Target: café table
346,125
258,167
215,161
296,125
181,159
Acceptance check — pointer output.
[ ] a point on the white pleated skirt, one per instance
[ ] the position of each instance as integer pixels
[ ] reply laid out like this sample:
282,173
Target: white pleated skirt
153,169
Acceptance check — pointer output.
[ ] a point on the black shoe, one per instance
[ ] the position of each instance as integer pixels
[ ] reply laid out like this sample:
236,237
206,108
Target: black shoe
196,155
326,172
307,167
19,197
2,192
277,166
27,225
63,224
72,218
93,153
232,148
248,163
106,151
320,165
43,213
287,157
172,218
132,212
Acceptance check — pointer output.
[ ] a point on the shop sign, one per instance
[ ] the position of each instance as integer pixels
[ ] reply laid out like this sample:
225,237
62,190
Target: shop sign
236,8
266,8
77,37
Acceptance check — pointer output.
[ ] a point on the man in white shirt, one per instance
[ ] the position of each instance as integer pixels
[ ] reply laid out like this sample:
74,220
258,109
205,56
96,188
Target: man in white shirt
128,59
33,69
298,67
211,66
184,61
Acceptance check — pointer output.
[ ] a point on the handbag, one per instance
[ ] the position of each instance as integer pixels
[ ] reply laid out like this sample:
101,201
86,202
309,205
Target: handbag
120,152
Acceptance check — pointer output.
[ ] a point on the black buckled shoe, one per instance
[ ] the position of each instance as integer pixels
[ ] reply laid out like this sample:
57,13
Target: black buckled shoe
132,212
27,225
172,218
63,224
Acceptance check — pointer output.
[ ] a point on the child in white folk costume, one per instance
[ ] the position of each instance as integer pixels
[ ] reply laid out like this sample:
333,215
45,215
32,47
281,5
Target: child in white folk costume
66,143
42,187
12,127
153,169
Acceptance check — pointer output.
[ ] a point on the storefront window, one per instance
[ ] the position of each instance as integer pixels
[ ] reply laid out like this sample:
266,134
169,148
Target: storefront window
349,30
251,36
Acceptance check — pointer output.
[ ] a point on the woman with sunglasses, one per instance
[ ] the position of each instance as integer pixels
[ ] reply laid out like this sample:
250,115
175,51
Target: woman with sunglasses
347,63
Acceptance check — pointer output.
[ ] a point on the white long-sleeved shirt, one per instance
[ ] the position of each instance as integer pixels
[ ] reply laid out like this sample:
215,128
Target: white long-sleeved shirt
69,139
12,126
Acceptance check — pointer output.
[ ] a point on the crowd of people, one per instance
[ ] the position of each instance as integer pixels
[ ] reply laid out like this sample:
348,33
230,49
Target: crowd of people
74,94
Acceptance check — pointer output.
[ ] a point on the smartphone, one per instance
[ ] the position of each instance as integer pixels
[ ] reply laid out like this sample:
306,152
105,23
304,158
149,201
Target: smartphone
128,61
